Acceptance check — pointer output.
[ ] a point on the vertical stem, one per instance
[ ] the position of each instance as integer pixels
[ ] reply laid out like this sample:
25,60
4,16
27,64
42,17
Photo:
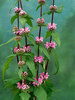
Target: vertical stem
50,39
21,4
26,40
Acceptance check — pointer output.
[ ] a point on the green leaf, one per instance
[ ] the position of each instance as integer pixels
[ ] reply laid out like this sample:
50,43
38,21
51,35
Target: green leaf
24,96
7,42
29,22
17,97
48,86
56,61
48,33
33,28
59,10
57,39
38,7
31,79
13,18
31,65
48,12
44,50
20,72
6,65
40,93
33,42
23,21
30,17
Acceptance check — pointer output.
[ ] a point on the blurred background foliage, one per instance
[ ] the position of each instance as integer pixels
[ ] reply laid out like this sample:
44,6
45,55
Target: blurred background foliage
64,81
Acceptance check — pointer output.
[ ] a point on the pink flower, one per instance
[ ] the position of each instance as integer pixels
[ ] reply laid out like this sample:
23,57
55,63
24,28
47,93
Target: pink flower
15,49
53,8
17,10
35,59
38,59
21,31
22,13
28,49
16,32
21,63
19,85
52,45
17,38
24,74
40,21
51,26
47,45
39,40
41,1
44,75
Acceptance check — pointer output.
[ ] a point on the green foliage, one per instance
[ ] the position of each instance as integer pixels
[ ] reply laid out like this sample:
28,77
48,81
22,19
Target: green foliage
20,72
29,22
47,12
38,7
48,34
40,93
31,65
24,96
13,18
57,39
7,42
6,65
17,97
48,86
23,21
56,61
59,10
44,50
33,28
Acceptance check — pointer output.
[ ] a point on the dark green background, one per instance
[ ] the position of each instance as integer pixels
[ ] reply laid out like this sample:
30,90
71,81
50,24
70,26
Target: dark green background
64,81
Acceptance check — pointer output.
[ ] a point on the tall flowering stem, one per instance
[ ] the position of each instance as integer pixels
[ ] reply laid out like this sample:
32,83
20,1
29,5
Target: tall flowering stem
38,45
50,39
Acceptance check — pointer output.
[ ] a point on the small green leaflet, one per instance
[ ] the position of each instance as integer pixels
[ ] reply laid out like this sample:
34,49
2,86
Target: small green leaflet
6,65
56,61
57,39
24,96
40,93
31,65
20,72
44,50
59,10
7,42
38,7
13,18
31,79
33,28
23,21
29,22
48,33
48,12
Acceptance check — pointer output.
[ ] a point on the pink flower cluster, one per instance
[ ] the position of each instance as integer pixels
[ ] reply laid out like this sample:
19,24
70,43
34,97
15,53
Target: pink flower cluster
38,59
51,26
21,63
39,40
22,31
24,74
41,1
22,50
20,11
27,49
40,21
17,38
41,78
22,86
50,45
53,8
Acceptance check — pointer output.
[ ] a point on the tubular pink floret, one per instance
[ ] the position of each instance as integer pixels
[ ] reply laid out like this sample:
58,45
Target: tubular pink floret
38,59
40,21
53,7
39,40
50,45
41,1
51,26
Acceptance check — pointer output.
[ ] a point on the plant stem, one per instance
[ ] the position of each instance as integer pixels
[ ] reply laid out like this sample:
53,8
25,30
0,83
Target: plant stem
21,4
38,45
50,40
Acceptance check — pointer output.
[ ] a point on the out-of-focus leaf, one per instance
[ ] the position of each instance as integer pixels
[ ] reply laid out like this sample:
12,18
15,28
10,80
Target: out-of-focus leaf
56,61
59,10
48,33
57,39
6,65
23,21
13,18
20,72
38,7
44,50
33,28
24,96
29,22
7,42
40,93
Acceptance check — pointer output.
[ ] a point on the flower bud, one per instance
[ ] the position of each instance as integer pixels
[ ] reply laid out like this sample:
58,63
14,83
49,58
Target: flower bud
41,1
51,27
40,21
39,40
22,13
15,29
17,10
21,63
17,38
24,74
53,8
20,51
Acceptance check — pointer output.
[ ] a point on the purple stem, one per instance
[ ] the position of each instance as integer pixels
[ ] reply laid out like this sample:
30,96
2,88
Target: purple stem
50,40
